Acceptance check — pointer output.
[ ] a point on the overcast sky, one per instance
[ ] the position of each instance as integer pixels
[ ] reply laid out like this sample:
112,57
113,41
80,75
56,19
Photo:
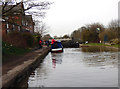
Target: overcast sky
65,16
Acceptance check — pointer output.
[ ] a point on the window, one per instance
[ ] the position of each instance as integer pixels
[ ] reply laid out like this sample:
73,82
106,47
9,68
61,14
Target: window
7,25
13,27
8,30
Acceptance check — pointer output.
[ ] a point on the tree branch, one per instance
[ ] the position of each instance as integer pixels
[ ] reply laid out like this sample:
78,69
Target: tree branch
6,11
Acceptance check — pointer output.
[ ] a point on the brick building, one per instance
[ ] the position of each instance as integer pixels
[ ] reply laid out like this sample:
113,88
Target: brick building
17,21
28,25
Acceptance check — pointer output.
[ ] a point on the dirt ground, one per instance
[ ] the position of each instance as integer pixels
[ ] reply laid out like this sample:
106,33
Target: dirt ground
17,60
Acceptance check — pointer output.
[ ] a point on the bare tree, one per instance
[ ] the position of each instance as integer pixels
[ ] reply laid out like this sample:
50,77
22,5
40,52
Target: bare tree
114,24
31,7
114,27
22,7
41,28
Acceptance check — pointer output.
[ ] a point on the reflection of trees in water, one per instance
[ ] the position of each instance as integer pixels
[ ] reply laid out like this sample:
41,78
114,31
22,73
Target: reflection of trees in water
101,59
98,49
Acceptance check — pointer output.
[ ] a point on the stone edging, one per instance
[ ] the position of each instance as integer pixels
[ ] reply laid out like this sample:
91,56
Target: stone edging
13,75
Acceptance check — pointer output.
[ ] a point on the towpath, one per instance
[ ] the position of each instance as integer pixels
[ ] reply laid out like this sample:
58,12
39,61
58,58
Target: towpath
13,68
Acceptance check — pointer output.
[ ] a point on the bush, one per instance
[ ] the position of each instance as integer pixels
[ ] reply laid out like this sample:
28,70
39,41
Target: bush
36,40
12,50
116,41
29,39
15,38
20,39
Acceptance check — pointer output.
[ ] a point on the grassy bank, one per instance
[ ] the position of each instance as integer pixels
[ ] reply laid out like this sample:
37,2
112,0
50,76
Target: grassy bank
101,44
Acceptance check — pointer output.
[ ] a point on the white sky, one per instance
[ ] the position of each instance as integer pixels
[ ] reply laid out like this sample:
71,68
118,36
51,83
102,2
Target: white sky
65,16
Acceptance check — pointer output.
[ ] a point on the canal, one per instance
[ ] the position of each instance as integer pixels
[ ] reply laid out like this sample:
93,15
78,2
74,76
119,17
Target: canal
77,67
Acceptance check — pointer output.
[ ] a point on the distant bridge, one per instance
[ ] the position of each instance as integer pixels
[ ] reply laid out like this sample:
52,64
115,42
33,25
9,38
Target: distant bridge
68,39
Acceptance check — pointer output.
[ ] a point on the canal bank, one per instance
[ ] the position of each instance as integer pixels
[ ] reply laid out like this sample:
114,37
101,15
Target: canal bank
116,47
29,62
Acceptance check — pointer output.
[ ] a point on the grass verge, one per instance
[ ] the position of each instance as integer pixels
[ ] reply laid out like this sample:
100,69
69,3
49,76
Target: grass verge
101,44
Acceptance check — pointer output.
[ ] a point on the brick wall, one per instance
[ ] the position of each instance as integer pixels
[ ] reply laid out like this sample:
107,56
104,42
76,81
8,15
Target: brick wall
19,23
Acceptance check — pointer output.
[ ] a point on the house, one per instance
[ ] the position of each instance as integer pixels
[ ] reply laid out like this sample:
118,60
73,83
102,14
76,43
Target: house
17,20
29,24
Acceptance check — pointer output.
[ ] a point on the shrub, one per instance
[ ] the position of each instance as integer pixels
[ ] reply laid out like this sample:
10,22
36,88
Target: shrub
20,39
37,38
15,38
12,50
116,41
29,39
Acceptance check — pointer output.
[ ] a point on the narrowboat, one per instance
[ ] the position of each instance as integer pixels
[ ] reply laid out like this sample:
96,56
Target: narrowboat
57,47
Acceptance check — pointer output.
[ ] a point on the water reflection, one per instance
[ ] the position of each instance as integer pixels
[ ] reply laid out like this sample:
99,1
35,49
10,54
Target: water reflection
101,56
101,59
77,67
56,59
99,49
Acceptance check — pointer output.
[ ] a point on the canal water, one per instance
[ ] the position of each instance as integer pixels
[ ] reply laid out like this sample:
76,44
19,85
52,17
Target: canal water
77,67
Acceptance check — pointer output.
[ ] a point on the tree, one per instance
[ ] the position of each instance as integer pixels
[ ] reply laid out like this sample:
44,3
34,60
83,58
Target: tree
47,37
20,8
85,35
94,32
114,27
76,34
112,31
41,28
113,24
89,32
66,36
30,6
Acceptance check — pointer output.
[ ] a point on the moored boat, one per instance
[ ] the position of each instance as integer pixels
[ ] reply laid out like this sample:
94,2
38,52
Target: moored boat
57,47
